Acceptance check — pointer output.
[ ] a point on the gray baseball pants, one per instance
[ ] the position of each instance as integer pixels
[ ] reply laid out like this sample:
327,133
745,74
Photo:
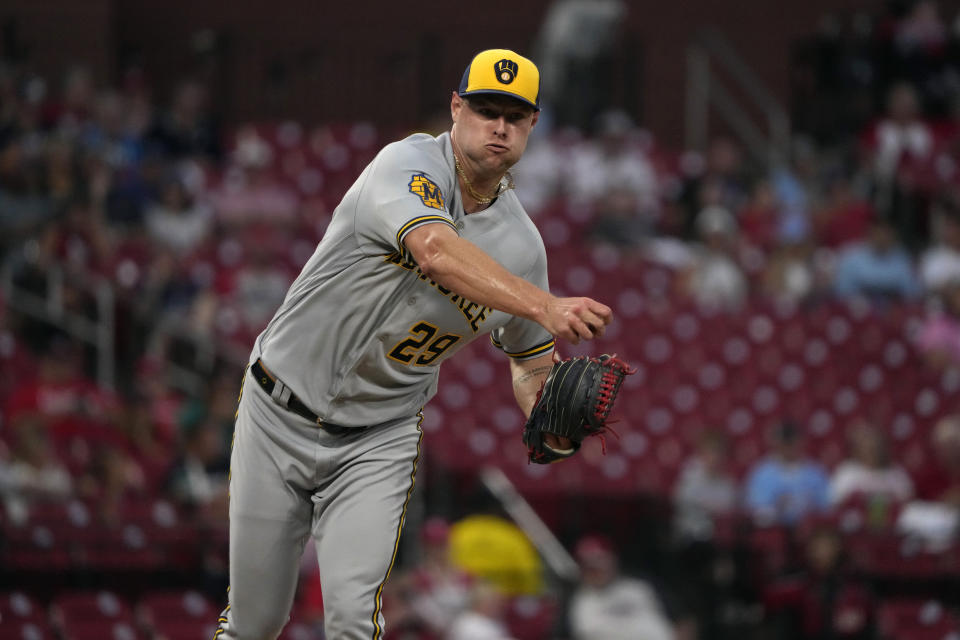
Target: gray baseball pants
291,480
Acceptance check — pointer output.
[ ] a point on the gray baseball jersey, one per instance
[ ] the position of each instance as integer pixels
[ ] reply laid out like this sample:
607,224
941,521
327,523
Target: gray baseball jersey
362,332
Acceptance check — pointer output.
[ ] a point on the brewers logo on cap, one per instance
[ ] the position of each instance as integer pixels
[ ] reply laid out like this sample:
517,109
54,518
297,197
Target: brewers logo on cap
506,70
503,72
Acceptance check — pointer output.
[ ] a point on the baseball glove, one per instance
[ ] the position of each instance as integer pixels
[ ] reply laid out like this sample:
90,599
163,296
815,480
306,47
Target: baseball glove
574,402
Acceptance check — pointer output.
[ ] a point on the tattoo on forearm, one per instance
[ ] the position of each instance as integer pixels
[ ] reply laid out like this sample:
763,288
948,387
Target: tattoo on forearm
530,375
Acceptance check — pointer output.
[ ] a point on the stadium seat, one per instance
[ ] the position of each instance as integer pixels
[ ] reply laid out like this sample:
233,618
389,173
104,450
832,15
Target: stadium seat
34,548
18,605
13,629
916,620
530,617
102,630
177,613
184,630
75,612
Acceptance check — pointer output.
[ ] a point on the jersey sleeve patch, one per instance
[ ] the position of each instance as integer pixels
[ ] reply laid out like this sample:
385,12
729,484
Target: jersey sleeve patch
410,225
428,191
539,350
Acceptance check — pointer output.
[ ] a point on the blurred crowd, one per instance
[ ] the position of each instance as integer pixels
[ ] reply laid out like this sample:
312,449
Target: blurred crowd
199,229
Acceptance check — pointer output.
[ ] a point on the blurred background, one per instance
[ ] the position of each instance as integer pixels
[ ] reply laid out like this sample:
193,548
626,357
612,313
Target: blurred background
767,194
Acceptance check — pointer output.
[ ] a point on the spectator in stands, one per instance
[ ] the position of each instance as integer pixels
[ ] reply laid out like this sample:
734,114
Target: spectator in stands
63,177
869,473
796,184
148,449
423,602
615,164
188,128
705,489
843,217
260,285
879,269
199,479
940,480
24,205
442,589
790,274
901,135
110,479
33,473
108,136
938,338
786,485
608,606
821,601
76,104
483,620
940,263
719,179
618,222
65,398
715,279
251,192
178,222
759,218
902,146
922,30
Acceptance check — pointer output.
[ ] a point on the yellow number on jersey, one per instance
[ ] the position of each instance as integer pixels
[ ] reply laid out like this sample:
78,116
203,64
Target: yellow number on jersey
422,345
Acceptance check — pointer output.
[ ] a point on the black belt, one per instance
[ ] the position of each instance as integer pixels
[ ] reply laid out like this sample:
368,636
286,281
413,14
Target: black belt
283,396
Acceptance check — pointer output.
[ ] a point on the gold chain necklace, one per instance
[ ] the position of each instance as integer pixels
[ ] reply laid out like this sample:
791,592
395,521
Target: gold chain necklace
473,193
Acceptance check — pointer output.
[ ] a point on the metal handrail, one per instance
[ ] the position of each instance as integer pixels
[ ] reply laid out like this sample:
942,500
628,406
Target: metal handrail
705,89
99,333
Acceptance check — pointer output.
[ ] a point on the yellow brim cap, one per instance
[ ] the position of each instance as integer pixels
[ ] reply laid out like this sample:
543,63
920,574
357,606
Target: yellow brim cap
503,72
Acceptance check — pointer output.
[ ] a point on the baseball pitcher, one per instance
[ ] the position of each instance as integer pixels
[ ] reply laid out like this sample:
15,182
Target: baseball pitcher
428,250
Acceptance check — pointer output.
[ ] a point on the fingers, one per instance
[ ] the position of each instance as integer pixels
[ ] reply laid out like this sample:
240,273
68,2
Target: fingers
590,318
600,310
580,319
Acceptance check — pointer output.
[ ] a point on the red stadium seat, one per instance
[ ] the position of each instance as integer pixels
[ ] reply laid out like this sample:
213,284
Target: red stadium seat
14,629
892,556
76,610
184,630
530,618
187,610
102,630
20,606
35,548
916,620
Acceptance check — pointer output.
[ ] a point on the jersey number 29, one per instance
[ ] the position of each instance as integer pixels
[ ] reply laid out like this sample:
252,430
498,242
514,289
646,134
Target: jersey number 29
422,345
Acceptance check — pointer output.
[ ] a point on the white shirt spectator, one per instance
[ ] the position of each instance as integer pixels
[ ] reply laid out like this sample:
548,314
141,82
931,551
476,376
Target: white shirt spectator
699,495
939,267
594,172
625,609
474,626
181,231
852,478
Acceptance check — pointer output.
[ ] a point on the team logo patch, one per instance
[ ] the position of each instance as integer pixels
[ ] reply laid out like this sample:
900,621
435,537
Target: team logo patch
427,190
505,70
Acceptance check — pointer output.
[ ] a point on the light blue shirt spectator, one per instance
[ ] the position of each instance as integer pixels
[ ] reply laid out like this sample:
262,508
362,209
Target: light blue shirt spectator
784,492
879,268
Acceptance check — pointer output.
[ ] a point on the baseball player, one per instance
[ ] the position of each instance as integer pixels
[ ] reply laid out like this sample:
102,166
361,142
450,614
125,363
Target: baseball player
428,250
